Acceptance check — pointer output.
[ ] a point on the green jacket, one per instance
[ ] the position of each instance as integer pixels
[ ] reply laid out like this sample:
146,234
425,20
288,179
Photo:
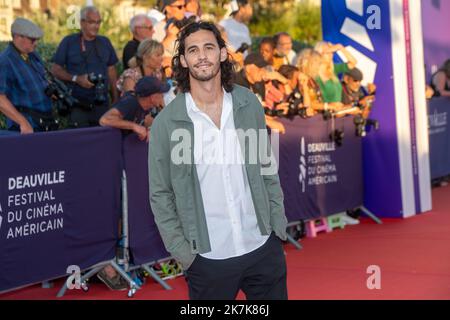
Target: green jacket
175,194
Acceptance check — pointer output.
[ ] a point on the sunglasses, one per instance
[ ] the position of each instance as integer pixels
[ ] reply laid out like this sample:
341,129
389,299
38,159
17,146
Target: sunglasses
180,7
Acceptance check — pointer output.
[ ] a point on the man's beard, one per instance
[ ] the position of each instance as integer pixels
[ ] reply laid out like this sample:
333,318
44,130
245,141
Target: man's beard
205,77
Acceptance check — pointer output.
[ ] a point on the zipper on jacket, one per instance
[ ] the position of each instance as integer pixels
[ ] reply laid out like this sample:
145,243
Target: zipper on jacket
194,245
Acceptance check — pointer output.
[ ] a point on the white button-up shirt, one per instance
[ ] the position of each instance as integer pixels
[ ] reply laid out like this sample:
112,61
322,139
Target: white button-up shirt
229,209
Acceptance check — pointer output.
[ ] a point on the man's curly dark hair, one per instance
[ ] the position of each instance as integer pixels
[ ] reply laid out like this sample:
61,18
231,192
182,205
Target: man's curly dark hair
181,74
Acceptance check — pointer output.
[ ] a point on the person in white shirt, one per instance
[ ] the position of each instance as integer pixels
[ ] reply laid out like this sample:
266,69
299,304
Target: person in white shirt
221,216
235,26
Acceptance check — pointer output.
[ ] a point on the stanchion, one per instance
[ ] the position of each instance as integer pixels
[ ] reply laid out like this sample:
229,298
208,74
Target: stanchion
371,215
291,239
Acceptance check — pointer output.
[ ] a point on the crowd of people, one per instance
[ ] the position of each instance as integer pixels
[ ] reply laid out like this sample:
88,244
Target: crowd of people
84,77
288,83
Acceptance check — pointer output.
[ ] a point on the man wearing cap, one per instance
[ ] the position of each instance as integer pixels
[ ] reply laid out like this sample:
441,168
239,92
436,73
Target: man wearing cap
132,112
236,25
256,73
80,55
354,94
22,80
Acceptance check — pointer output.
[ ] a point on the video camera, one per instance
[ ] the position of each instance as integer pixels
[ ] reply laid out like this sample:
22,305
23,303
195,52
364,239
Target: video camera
56,88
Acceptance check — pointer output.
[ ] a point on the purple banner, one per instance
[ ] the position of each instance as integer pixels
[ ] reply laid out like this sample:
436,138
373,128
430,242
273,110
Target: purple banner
59,203
436,35
381,150
439,132
145,242
318,177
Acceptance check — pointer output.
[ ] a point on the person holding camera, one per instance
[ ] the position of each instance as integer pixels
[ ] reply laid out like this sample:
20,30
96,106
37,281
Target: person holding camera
355,95
22,81
86,61
136,110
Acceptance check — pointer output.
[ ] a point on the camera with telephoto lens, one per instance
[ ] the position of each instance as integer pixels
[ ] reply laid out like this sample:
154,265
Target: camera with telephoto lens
244,47
154,112
99,82
360,126
327,115
273,112
180,24
56,88
295,106
337,136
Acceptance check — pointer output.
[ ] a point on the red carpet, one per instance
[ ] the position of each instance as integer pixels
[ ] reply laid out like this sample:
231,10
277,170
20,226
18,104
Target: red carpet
413,254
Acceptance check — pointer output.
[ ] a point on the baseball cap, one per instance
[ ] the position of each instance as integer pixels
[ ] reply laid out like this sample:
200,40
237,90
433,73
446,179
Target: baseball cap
149,85
164,3
355,73
26,28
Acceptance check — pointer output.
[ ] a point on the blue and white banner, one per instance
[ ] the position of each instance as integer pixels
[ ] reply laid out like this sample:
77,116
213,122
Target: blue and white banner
386,38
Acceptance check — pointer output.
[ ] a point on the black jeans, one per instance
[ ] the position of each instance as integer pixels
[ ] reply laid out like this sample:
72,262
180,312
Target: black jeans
261,274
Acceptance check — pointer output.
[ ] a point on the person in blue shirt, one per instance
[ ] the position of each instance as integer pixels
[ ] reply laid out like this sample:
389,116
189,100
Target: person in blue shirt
22,81
83,54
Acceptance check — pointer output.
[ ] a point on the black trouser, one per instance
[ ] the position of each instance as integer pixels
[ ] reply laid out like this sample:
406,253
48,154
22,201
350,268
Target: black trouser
81,118
261,274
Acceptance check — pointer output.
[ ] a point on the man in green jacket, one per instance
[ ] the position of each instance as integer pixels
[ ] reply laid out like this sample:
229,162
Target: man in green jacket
214,186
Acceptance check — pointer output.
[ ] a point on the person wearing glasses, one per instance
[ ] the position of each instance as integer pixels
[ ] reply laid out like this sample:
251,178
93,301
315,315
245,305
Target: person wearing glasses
22,80
173,10
141,27
78,57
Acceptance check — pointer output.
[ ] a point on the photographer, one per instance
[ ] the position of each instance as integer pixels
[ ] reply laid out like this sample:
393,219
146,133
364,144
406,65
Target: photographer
136,110
258,77
354,95
22,81
86,61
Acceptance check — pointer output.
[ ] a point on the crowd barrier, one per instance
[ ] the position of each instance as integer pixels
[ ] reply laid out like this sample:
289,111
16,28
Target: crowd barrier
439,133
59,203
67,184
319,177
